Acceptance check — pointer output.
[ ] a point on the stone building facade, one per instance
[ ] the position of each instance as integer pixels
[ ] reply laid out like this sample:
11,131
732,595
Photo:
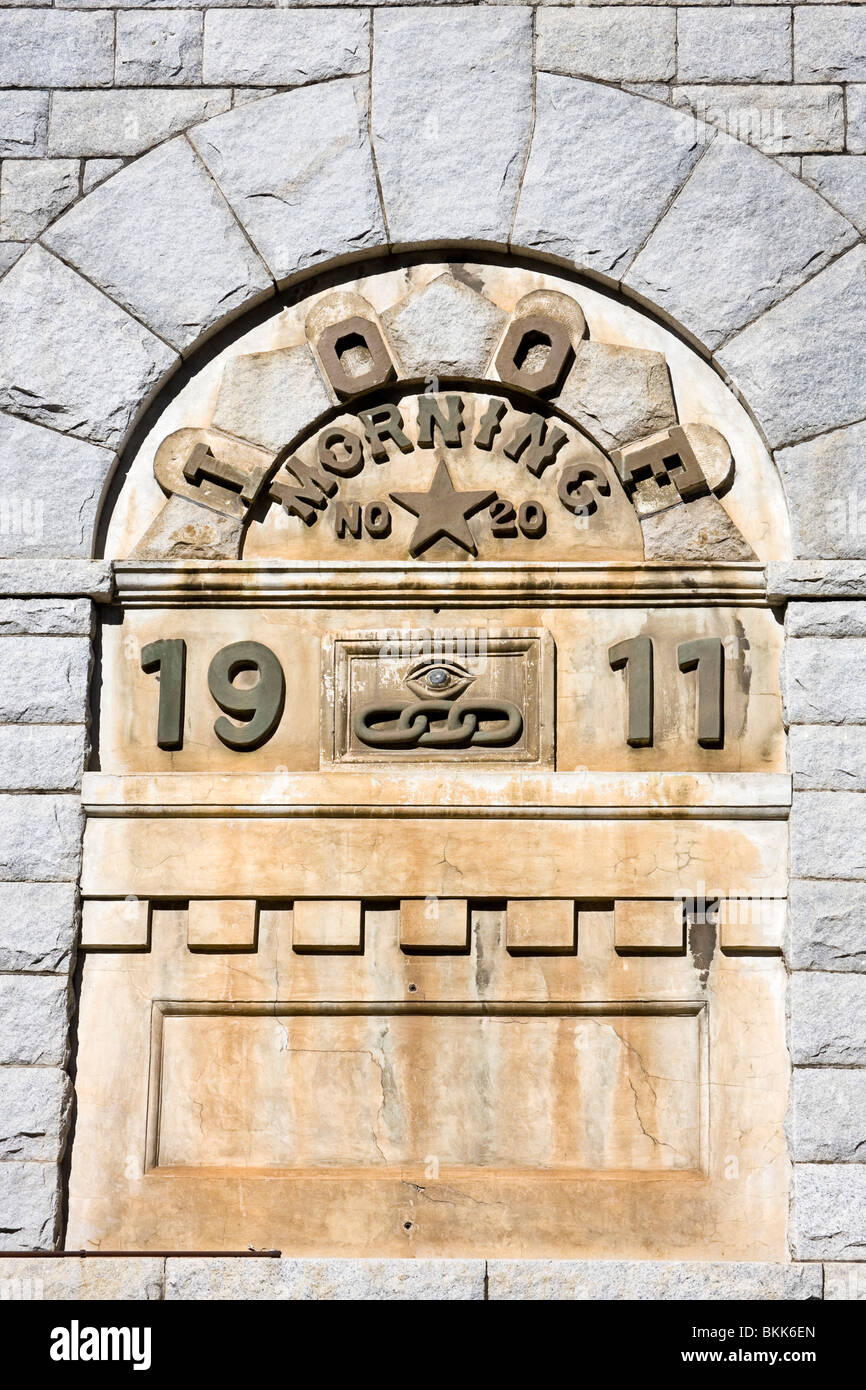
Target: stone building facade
229,230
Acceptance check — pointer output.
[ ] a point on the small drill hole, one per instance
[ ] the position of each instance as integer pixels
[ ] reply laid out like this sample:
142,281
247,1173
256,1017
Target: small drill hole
412,989
407,1225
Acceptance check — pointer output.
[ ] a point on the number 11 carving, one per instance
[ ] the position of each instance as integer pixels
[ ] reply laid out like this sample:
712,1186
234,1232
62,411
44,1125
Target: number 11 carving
704,655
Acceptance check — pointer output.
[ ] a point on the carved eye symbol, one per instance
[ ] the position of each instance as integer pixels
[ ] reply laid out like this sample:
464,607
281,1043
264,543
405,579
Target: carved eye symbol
445,679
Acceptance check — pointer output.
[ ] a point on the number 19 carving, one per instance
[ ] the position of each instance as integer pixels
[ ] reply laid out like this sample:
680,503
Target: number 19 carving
260,705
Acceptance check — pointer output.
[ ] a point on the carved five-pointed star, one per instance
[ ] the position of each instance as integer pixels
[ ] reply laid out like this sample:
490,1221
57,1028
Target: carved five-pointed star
442,512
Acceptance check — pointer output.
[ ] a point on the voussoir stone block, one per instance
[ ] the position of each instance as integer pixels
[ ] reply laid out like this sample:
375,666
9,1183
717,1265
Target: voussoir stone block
448,83
827,1121
308,1279
649,1280
603,167
52,484
161,240
44,680
41,757
826,758
739,237
823,680
828,835
34,1112
29,1205
70,357
37,926
828,1018
41,838
829,1211
34,1018
72,1279
284,47
825,483
619,394
793,364
298,171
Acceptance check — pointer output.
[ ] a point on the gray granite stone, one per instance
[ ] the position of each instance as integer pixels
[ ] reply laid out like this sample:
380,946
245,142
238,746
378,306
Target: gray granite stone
298,171
70,357
855,111
828,1018
828,1106
127,122
699,530
829,43
69,577
308,1279
823,680
267,397
825,482
829,1211
619,394
744,43
649,1280
816,580
841,179
446,329
284,47
793,365
37,926
45,617
96,171
613,43
48,48
448,84
160,240
41,757
23,124
44,680
828,835
826,925
34,1020
739,237
41,837
159,50
32,193
603,167
35,1107
802,119
29,1205
842,619
37,515
828,759
73,1278
9,254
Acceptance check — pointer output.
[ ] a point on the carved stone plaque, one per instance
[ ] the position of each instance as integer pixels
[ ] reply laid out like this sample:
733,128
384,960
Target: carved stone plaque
461,695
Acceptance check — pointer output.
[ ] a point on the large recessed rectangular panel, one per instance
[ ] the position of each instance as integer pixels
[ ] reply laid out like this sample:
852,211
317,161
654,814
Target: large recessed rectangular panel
341,1087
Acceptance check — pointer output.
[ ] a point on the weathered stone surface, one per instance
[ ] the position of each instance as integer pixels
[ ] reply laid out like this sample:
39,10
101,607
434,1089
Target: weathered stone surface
126,122
619,394
829,1211
827,1117
843,619
34,1018
738,238
446,84
844,1281
816,579
29,1205
603,167
41,837
9,253
825,481
96,171
828,835
611,43
161,241
298,171
49,48
87,366
855,110
793,365
45,617
828,759
748,43
33,519
37,926
57,578
267,397
649,1280
349,1280
41,757
23,124
447,329
45,680
70,1278
828,1019
162,49
285,47
698,530
185,531
841,178
823,681
829,43
34,1112
32,193
778,120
